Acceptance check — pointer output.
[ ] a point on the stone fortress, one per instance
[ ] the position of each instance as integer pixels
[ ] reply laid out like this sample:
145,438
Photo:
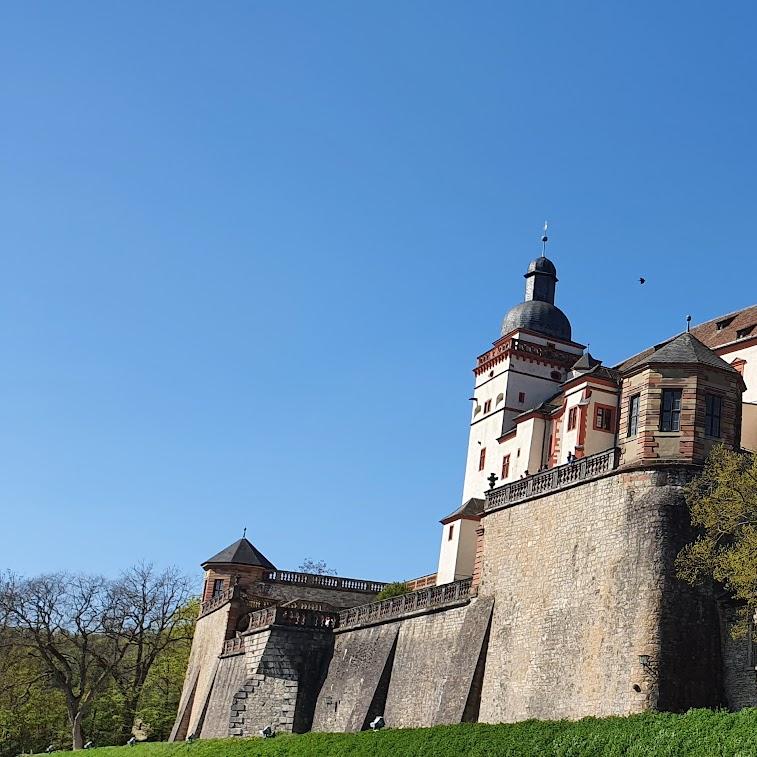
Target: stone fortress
555,594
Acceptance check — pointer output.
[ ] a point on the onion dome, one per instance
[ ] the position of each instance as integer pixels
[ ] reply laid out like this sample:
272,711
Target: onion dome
538,312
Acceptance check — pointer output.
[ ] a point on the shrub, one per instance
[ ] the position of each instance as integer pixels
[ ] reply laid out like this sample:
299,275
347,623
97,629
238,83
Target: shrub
395,589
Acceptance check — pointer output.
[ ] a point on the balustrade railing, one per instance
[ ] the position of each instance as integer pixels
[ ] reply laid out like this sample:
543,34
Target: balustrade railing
324,582
553,480
219,599
523,346
435,596
291,616
233,646
413,584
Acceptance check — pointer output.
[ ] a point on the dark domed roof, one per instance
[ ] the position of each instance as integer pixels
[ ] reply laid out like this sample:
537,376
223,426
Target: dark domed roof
543,265
535,315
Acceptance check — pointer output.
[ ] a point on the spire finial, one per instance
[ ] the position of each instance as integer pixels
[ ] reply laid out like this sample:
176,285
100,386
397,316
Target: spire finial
688,324
244,532
544,240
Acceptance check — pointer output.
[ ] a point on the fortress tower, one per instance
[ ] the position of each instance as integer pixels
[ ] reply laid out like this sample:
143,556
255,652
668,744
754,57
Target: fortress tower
524,367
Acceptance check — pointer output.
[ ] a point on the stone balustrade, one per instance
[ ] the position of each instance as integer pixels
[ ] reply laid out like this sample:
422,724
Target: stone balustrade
553,480
396,607
423,582
283,615
502,349
219,599
233,646
324,582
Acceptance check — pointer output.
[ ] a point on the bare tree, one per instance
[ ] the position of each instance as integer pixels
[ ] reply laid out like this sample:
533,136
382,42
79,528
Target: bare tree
68,624
85,632
152,611
318,567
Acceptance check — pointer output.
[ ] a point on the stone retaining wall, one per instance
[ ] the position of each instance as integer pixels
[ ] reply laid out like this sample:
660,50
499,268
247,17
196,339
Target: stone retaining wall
418,671
584,582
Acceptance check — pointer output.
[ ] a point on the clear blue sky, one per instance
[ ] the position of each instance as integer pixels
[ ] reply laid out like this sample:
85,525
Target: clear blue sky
250,251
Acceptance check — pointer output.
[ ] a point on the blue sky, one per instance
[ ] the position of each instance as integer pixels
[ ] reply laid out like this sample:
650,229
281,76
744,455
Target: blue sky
250,251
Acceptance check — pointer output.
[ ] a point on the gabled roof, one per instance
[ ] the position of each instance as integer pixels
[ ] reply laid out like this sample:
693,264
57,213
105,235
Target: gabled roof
471,509
684,348
241,552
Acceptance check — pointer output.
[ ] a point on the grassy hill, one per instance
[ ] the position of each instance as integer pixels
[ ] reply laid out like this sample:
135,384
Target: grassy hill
698,733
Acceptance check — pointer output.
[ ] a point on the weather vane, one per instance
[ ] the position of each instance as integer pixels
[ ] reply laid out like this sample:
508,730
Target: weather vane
544,240
244,532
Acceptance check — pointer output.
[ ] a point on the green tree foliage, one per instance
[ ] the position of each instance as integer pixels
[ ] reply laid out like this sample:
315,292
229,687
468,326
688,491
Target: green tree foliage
723,505
395,589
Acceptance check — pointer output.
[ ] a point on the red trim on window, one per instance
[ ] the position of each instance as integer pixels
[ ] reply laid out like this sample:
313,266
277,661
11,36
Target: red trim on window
606,409
482,459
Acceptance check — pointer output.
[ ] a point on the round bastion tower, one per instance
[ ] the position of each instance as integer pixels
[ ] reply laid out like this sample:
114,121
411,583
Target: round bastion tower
522,370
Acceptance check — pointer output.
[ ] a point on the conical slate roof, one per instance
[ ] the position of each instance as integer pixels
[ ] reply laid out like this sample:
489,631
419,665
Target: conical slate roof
586,362
241,552
686,348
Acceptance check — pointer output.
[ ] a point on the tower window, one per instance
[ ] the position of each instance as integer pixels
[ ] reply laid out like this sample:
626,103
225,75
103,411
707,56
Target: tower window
482,459
633,415
487,406
217,587
451,532
572,418
505,467
603,418
670,416
521,397
713,407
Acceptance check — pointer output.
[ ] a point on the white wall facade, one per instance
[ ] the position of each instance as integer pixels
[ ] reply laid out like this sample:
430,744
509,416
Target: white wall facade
749,398
457,553
503,385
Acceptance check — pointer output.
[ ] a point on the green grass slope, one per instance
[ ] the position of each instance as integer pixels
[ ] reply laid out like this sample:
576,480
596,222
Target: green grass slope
698,733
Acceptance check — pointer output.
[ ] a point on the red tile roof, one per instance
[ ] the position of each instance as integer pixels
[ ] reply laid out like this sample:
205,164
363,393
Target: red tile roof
716,333
726,328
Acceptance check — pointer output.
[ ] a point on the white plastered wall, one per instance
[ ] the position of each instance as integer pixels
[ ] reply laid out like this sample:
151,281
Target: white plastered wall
749,398
457,554
509,378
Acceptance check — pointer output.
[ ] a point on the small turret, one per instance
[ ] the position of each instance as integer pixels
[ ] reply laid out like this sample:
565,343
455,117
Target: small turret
241,563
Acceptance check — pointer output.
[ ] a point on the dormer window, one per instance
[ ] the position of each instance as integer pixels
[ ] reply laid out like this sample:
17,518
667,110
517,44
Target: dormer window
741,333
720,325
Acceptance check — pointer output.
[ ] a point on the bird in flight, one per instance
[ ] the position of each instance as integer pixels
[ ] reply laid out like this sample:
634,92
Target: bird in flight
642,280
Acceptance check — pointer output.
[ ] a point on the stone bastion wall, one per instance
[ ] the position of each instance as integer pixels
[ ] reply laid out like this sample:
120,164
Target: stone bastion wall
578,613
584,582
